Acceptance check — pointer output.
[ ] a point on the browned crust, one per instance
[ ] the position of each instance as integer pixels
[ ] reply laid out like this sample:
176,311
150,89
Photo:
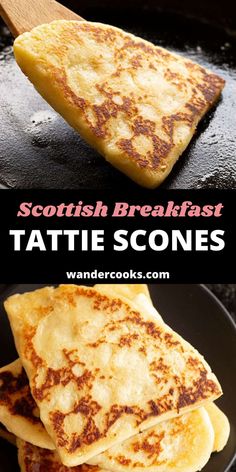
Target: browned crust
15,395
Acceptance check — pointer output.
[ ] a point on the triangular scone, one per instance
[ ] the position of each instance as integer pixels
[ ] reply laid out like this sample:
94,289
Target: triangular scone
35,459
100,370
182,444
136,103
18,410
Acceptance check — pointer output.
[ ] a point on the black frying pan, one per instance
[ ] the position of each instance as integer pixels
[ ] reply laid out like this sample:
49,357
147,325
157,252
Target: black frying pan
200,318
39,150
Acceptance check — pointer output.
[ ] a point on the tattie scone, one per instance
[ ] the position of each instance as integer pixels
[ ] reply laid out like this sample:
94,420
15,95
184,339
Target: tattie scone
220,425
18,410
129,291
4,434
136,103
182,444
89,391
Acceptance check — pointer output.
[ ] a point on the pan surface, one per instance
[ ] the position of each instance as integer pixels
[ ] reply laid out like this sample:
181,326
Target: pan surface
39,150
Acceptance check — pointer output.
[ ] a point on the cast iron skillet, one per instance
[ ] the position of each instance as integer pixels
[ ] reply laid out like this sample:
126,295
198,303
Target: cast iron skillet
39,150
196,314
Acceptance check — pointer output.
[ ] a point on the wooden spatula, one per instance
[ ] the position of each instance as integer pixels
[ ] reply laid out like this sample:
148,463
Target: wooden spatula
23,15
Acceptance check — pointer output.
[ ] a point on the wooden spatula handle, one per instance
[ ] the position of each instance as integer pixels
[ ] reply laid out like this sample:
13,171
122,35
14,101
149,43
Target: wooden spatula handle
23,15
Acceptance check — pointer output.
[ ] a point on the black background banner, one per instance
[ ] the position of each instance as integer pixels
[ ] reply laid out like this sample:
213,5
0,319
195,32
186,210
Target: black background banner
52,266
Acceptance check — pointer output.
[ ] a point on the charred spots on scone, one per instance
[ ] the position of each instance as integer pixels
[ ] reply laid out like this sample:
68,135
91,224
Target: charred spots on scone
136,61
159,366
199,390
210,86
26,407
170,341
91,433
134,318
30,352
143,350
102,302
123,460
174,76
39,460
62,376
116,411
88,436
87,406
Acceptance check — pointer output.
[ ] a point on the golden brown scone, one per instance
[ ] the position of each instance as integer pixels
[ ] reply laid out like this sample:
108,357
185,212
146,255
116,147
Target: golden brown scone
4,434
182,444
129,291
220,425
22,424
100,370
35,459
137,294
18,410
136,103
